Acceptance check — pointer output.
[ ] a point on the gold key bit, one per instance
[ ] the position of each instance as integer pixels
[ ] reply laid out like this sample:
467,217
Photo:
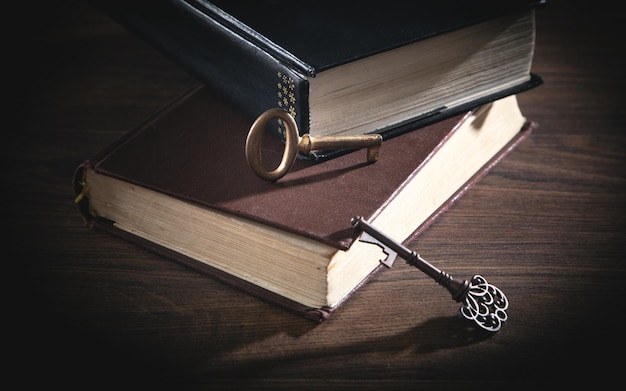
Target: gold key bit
305,144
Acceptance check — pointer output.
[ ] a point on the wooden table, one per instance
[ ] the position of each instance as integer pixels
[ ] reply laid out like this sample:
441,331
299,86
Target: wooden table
87,310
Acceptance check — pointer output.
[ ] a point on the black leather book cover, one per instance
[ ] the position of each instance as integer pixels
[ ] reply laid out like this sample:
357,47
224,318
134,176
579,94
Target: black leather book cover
261,54
326,33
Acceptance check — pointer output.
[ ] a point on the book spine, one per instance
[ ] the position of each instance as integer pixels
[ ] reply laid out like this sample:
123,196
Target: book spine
225,60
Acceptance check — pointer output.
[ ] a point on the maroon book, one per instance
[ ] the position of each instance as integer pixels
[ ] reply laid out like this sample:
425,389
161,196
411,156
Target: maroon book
179,184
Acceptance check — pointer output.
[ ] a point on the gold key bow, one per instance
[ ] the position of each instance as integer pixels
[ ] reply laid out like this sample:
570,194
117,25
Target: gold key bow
305,144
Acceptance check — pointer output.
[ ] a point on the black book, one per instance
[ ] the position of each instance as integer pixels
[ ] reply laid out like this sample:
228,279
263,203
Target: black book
346,67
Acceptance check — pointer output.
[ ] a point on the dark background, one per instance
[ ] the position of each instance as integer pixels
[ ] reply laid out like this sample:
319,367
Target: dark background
86,311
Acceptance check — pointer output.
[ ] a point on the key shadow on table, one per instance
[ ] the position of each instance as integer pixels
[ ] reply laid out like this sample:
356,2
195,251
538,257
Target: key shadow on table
127,322
442,333
154,359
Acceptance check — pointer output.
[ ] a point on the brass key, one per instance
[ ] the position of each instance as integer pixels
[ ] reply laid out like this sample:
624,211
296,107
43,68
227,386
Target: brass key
305,144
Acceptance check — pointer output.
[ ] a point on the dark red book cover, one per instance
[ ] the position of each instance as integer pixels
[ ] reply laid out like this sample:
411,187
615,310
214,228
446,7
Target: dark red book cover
194,150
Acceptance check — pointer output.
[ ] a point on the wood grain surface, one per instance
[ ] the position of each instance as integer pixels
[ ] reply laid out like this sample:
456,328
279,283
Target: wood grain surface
89,311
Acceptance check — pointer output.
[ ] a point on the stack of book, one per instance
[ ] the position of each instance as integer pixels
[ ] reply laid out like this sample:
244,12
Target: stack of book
439,85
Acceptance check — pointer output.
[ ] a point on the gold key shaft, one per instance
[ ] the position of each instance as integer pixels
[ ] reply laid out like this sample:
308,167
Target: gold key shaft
305,144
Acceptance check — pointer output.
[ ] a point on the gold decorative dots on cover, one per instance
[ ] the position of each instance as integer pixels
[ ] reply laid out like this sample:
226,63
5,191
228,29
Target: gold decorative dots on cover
286,98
